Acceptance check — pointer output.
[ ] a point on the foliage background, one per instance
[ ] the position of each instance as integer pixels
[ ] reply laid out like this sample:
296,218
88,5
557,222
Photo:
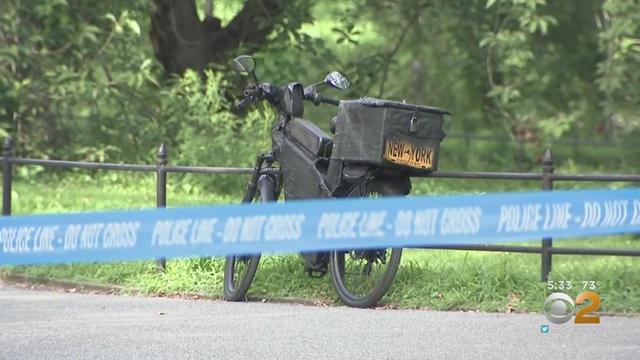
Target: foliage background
79,79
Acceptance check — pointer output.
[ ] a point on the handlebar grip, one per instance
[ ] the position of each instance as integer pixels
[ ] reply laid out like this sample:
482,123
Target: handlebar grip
244,104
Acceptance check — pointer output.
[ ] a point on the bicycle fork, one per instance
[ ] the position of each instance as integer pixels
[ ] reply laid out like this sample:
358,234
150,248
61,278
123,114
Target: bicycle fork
255,177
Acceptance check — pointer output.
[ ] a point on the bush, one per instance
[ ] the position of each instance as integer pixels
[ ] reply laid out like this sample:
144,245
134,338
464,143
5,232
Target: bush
207,133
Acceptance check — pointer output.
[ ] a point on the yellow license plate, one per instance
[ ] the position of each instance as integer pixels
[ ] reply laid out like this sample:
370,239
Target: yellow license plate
406,153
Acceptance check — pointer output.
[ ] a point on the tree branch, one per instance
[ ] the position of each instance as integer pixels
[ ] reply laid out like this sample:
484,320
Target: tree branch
387,61
181,41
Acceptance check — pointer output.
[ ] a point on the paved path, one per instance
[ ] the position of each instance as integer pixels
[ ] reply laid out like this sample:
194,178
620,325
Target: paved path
48,324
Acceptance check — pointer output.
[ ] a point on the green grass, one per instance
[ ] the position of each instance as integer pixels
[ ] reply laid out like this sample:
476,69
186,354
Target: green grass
435,279
55,194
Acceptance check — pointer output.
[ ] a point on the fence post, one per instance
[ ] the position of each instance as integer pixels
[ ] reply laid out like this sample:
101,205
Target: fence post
547,184
7,153
161,190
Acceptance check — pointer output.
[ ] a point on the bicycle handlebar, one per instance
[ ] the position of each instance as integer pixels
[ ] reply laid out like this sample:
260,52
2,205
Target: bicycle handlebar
274,94
327,100
244,103
317,98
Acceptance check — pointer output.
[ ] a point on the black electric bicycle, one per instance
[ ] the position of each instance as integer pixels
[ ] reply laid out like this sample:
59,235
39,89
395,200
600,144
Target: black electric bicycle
378,144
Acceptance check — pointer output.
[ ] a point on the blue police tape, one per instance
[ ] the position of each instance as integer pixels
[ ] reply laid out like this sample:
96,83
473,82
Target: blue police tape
316,225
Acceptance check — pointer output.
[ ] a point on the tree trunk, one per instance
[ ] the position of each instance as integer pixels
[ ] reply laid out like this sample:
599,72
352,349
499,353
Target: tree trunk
181,41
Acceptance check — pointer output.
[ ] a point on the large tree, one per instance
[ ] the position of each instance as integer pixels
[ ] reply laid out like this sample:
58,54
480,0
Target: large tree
182,41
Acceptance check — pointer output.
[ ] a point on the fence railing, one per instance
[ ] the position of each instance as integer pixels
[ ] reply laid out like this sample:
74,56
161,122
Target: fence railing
547,177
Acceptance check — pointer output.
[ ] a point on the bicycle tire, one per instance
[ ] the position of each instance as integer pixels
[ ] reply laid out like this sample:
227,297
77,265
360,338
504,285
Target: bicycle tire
370,298
238,292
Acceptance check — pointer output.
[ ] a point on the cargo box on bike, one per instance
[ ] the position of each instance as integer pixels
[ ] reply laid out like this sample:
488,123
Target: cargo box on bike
389,134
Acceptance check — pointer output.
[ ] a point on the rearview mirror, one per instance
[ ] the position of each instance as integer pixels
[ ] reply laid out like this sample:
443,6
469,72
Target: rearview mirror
337,80
244,63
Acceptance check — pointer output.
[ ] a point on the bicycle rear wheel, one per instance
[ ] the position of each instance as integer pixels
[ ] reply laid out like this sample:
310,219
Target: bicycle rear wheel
362,277
239,271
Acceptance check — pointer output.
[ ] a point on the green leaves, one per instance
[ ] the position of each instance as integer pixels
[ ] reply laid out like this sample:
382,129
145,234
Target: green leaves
490,3
348,34
504,94
77,77
202,130
71,83
133,26
123,22
618,77
88,33
517,60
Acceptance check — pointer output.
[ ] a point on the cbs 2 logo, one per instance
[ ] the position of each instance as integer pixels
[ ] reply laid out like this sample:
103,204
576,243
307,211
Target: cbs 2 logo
558,312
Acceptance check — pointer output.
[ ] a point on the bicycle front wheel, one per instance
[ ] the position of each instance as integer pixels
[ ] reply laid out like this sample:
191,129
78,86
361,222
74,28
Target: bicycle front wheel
239,271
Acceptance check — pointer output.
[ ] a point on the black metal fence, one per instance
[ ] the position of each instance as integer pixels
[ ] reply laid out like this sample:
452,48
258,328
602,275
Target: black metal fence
547,177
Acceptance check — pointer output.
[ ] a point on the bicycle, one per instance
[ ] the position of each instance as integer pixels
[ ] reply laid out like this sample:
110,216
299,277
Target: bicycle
378,144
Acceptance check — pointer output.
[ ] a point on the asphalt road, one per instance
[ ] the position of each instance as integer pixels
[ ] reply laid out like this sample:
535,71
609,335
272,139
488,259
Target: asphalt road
49,324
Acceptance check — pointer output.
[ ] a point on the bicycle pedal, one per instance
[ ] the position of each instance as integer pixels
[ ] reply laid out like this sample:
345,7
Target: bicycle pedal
315,273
